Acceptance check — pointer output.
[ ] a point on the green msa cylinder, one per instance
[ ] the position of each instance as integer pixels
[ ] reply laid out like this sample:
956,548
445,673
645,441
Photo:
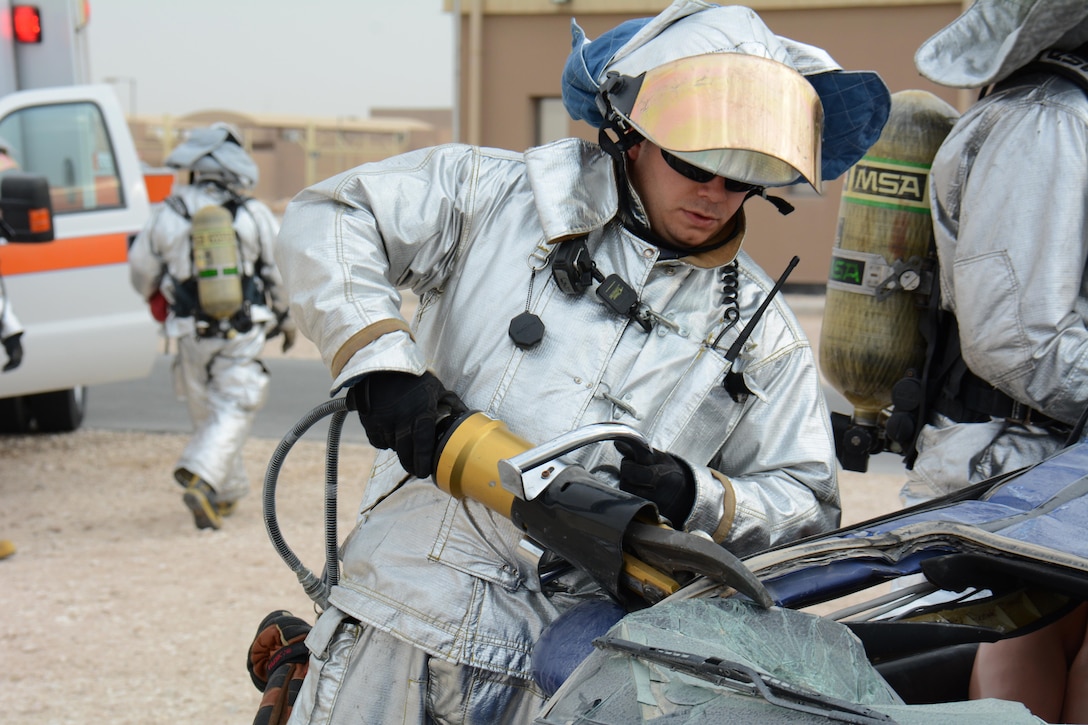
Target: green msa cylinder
215,262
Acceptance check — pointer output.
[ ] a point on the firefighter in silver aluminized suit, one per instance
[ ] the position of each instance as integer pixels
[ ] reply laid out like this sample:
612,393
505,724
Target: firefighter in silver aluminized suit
11,330
1009,188
11,333
431,620
1011,225
217,370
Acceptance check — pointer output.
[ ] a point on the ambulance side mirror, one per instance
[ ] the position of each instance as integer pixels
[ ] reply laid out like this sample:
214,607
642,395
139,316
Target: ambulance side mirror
26,210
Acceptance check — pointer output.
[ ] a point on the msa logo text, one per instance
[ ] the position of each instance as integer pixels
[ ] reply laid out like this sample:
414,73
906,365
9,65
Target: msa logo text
898,184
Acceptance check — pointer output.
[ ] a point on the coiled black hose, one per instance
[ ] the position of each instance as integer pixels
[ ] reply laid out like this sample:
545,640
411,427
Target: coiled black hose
317,588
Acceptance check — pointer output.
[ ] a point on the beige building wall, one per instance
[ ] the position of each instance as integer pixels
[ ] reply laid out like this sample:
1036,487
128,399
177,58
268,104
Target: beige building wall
512,54
294,152
441,119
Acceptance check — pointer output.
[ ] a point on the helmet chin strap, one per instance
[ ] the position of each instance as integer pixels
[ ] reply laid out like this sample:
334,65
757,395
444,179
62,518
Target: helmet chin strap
630,219
783,206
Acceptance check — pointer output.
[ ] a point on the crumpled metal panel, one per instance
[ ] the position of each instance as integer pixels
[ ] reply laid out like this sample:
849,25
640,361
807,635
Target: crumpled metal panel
1044,506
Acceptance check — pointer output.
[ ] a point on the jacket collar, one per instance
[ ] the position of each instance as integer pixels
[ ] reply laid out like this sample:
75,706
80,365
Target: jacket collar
574,188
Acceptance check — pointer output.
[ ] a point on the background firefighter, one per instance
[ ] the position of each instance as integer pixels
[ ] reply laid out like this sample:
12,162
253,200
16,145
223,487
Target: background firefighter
1010,211
220,330
11,331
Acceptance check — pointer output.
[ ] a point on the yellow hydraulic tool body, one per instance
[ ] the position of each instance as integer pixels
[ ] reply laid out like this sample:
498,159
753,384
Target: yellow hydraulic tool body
612,535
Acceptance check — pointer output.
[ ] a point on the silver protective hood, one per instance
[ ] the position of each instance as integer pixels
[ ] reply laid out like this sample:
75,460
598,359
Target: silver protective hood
689,29
854,105
215,151
993,38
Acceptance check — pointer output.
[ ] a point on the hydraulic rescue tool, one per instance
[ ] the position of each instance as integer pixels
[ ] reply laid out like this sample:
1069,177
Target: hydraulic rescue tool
614,537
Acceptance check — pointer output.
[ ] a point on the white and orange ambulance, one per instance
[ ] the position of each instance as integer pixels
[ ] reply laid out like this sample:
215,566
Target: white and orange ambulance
84,324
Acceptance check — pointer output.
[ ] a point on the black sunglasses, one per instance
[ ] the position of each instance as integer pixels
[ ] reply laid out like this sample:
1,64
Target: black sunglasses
701,176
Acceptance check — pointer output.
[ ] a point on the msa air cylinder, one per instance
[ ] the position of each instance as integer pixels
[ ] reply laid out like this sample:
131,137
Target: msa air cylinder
216,263
870,336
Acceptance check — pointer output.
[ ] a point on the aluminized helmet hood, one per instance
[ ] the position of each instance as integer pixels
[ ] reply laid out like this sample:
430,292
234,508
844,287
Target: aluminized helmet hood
741,116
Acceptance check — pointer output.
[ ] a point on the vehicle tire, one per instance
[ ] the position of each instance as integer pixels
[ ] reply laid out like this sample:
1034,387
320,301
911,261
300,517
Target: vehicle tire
60,411
15,415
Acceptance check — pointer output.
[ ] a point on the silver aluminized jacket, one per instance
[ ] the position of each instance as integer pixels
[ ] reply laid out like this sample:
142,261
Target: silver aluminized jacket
221,380
1011,224
465,228
9,323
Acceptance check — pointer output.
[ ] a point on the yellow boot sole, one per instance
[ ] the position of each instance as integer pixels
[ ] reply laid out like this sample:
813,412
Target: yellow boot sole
200,498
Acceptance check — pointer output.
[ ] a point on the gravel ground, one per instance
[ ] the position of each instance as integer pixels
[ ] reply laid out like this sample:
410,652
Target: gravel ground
115,608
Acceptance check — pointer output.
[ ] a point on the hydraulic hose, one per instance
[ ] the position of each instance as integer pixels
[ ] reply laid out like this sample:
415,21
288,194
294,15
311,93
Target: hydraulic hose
317,588
332,465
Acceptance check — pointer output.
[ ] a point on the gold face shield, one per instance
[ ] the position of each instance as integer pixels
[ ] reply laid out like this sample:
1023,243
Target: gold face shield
740,116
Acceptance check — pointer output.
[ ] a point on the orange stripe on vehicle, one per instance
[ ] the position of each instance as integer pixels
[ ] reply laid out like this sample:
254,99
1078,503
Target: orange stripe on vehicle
64,254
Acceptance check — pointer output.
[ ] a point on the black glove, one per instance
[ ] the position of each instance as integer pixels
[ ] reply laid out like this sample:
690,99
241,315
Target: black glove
287,326
13,346
659,477
401,411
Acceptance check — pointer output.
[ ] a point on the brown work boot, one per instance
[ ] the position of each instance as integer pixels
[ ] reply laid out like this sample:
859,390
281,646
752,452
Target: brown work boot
200,498
6,548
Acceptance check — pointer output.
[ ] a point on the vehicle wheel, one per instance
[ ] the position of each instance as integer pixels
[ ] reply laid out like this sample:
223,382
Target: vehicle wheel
14,415
60,411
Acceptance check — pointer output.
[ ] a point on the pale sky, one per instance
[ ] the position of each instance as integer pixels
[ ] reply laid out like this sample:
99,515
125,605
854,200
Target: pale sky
330,58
